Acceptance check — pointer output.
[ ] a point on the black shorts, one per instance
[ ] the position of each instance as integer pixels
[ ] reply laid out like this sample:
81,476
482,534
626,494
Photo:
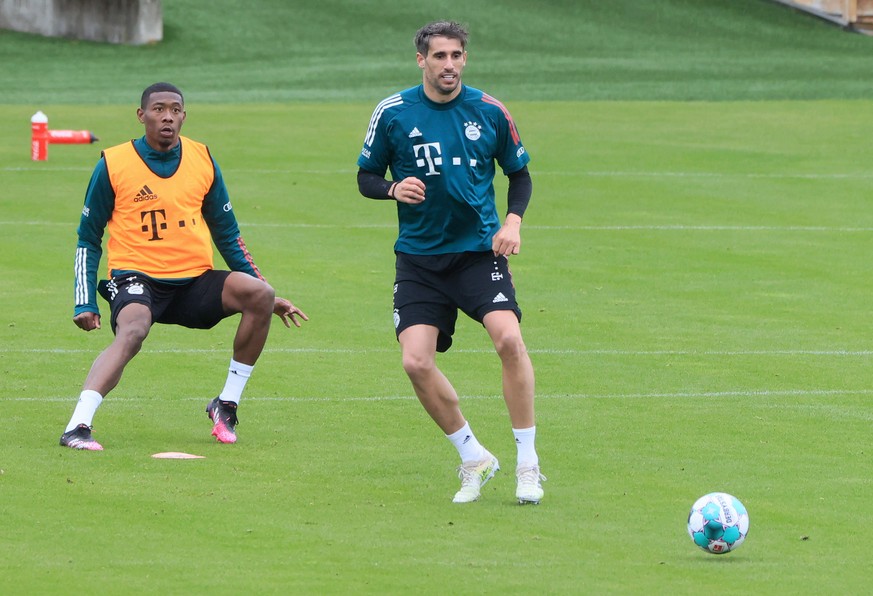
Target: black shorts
195,303
429,290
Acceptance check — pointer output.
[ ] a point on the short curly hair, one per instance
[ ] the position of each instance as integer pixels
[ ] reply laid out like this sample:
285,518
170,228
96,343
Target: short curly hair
158,88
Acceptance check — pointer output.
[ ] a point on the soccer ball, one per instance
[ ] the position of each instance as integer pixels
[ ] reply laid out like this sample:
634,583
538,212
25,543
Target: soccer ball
718,523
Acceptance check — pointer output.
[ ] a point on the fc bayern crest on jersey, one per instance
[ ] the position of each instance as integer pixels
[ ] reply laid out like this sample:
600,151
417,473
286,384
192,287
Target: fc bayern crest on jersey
472,130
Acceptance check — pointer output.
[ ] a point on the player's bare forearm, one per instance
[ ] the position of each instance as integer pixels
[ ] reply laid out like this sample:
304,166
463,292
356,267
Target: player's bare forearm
287,311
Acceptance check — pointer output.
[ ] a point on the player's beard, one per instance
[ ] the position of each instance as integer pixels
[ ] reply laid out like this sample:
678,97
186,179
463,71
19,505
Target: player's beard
444,88
167,142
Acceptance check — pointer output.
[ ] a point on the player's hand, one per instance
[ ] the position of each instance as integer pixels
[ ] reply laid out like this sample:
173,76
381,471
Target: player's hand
87,321
285,310
409,190
507,240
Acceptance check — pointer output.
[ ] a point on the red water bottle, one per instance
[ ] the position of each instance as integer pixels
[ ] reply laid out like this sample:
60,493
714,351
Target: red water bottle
39,137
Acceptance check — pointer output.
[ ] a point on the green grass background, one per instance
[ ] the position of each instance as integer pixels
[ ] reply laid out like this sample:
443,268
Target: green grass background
695,278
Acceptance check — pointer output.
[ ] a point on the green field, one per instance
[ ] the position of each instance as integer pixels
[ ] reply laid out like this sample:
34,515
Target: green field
694,275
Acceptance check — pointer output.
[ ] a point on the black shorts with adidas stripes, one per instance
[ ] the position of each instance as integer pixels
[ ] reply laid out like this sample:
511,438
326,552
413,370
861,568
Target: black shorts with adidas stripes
430,289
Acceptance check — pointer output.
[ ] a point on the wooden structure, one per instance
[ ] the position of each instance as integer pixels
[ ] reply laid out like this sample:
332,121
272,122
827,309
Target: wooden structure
854,15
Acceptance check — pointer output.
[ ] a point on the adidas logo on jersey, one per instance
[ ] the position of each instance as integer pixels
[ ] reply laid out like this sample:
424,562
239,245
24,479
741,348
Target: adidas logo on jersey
415,133
145,194
500,298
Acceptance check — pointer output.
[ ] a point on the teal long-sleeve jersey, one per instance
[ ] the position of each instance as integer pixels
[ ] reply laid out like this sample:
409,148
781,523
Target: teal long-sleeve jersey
100,203
452,148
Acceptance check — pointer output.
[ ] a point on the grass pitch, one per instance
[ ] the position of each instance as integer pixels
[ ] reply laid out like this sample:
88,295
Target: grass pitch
695,303
694,277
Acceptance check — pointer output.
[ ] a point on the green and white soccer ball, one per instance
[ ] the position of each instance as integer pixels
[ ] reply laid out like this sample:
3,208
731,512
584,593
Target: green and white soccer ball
718,523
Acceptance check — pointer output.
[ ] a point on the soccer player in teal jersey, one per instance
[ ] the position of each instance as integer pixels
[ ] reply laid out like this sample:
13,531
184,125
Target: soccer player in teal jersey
441,142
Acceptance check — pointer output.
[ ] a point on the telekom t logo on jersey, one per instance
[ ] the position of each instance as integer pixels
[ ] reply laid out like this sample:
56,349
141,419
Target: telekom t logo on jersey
153,222
430,154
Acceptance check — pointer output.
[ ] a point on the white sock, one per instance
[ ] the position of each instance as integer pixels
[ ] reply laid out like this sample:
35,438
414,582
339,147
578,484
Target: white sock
237,376
467,445
525,441
89,401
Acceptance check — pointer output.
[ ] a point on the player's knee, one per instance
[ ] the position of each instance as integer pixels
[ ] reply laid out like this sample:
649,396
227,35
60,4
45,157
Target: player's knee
416,366
253,296
131,337
510,346
265,296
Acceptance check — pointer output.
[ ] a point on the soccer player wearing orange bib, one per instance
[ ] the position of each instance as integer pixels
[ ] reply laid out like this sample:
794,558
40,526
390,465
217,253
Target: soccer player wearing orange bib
163,201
